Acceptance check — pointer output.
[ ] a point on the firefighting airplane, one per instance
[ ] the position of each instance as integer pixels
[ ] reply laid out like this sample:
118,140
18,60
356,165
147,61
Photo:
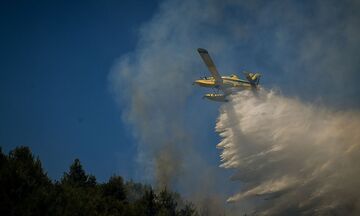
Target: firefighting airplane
227,84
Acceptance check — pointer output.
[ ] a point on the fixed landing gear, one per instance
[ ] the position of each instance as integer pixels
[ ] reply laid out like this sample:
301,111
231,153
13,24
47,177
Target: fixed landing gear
216,90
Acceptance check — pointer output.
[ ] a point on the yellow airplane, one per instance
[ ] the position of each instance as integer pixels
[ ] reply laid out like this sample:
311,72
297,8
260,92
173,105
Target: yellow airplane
227,84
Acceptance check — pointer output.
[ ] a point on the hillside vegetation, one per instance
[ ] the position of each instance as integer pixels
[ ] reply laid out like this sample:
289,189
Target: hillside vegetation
25,189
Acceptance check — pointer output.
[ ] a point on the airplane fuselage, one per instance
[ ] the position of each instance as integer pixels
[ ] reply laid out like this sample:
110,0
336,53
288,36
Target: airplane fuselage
228,82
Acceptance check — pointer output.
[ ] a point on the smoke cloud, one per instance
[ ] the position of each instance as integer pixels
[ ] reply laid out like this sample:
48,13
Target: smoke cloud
308,49
153,85
300,158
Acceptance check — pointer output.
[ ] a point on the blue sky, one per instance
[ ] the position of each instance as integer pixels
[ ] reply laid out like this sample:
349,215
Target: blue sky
109,82
54,92
56,59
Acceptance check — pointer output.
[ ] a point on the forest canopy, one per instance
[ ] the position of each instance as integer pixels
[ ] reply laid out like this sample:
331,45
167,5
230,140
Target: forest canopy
27,190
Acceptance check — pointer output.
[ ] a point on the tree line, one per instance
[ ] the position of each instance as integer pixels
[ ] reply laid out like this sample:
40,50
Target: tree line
25,189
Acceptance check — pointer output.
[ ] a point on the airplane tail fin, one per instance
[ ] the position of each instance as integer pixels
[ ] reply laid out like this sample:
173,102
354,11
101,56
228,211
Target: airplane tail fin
253,78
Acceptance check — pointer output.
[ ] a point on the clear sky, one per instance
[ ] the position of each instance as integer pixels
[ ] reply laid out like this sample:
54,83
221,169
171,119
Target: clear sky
54,92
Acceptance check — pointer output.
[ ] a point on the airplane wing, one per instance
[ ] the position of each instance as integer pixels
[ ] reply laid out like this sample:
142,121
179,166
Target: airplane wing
210,64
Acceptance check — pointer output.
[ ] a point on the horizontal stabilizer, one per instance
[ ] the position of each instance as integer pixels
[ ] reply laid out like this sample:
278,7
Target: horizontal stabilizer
253,78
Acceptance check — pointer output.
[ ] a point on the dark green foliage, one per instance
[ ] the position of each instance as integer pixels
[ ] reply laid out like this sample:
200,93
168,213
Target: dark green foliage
115,188
24,186
134,191
188,210
77,176
167,203
148,204
26,190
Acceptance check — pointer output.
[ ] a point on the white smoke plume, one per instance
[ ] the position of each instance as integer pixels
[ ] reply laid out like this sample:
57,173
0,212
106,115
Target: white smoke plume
152,86
309,49
292,157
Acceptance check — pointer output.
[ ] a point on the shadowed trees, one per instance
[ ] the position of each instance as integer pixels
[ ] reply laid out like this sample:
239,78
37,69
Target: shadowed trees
25,189
24,185
77,176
